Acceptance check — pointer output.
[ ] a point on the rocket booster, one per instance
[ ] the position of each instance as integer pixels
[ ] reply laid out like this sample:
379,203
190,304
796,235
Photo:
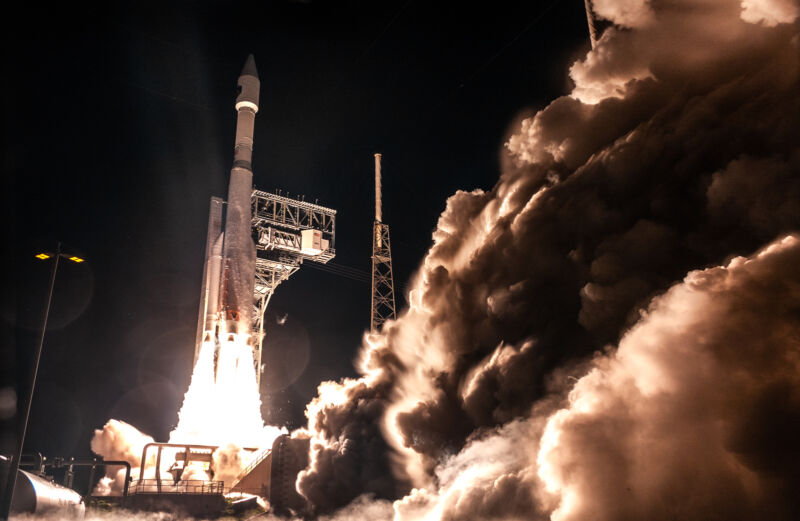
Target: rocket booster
238,251
226,304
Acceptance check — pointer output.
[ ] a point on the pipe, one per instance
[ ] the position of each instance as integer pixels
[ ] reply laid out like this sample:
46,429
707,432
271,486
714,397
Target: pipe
39,465
57,463
158,469
91,480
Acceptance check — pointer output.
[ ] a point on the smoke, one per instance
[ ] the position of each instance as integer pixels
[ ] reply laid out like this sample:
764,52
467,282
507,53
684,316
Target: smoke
362,509
99,515
696,411
551,363
769,12
118,440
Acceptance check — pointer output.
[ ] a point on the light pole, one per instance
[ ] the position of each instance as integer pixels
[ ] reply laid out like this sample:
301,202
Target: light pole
5,508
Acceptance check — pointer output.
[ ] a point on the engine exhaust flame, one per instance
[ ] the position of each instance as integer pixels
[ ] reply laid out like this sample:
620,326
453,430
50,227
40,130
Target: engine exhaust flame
221,408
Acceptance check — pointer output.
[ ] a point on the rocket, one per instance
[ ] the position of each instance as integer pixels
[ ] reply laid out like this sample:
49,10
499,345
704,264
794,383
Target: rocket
226,302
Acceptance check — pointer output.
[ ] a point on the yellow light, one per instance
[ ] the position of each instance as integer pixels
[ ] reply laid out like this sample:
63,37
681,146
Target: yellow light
43,256
76,259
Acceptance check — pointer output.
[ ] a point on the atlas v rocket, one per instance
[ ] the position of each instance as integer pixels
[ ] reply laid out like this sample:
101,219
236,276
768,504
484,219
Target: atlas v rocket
226,304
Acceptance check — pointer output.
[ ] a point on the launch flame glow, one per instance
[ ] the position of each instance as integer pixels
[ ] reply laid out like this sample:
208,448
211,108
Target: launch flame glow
225,409
222,408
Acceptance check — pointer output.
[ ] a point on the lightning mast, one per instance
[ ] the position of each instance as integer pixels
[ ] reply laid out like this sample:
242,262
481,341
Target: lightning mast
382,281
590,21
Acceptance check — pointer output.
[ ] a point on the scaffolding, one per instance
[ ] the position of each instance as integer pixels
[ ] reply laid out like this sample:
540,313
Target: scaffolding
383,302
286,232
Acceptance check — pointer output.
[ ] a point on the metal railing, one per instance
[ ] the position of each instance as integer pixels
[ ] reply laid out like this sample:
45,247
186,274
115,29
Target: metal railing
189,486
258,458
241,493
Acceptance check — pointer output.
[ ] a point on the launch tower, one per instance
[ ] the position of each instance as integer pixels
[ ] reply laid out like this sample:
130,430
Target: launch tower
287,232
382,280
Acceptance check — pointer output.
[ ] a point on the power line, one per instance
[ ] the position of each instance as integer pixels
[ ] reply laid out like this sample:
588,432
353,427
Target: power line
342,271
384,31
511,42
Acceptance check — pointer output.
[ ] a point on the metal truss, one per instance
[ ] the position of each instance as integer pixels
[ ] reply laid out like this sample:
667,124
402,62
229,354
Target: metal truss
278,223
290,214
383,304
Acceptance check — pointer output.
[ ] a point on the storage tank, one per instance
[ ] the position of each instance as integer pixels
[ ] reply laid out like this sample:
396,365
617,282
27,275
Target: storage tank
36,495
289,457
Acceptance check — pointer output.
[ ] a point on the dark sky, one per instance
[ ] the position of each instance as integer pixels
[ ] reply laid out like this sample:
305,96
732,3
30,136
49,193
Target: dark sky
119,127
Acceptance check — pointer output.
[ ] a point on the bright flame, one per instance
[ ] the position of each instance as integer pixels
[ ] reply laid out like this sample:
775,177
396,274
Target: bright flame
221,408
226,409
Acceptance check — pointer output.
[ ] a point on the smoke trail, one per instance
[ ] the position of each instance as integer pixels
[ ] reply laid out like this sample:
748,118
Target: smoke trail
676,150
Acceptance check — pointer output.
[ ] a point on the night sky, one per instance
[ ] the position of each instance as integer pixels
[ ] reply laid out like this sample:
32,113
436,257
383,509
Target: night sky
119,127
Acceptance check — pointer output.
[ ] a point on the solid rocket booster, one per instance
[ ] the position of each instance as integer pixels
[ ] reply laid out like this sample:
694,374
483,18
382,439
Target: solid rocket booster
209,295
226,305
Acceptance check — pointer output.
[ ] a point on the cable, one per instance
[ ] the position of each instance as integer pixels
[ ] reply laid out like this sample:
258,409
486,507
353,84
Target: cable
510,43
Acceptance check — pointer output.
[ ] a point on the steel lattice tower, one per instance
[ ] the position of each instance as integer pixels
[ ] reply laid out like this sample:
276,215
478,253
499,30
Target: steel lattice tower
382,280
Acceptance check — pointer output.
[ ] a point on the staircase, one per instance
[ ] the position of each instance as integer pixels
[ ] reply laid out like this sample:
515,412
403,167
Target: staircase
256,461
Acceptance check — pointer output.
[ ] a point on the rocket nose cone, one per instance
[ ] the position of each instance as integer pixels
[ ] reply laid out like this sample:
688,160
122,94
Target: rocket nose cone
249,68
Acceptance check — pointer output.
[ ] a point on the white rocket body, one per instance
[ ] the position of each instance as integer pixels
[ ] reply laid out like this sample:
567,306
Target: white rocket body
226,305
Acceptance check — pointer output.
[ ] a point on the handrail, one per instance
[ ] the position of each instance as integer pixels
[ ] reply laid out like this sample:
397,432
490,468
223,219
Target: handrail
257,459
190,486
186,446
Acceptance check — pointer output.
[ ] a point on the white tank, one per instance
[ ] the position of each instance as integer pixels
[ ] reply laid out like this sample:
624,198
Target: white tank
37,495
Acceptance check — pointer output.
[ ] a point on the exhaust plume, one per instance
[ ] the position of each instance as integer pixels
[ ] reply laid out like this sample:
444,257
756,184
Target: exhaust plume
544,368
222,407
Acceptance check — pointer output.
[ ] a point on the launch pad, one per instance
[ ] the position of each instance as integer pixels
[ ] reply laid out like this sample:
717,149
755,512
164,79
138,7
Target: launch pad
270,474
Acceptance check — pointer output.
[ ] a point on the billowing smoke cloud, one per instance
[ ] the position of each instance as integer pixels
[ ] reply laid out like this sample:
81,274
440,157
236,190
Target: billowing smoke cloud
99,515
676,151
120,441
697,413
770,12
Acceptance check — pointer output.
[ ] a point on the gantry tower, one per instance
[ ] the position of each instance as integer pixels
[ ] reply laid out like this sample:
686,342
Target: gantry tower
286,232
383,305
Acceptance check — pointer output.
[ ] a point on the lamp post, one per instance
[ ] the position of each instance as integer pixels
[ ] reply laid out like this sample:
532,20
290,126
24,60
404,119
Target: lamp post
5,508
